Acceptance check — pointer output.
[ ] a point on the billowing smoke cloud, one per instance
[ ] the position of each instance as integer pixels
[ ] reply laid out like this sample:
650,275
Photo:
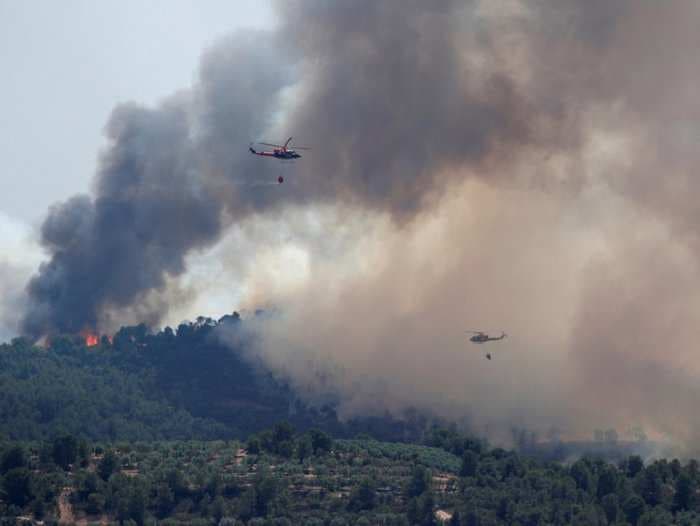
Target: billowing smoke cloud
518,165
11,279
388,102
382,326
633,341
165,188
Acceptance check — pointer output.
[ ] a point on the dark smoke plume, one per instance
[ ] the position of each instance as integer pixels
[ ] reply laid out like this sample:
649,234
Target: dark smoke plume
525,165
162,190
389,100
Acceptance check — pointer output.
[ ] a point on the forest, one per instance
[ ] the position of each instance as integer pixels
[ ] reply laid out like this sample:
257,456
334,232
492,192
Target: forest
174,427
283,477
169,385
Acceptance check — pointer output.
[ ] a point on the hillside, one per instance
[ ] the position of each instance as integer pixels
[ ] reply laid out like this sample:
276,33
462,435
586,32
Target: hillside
171,385
281,477
176,427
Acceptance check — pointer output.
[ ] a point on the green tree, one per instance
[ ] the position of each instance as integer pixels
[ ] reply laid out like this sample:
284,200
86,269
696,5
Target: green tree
505,508
46,454
611,507
470,463
420,510
651,486
655,517
676,467
633,507
685,493
266,489
305,447
246,505
253,445
95,503
38,508
282,432
587,516
17,486
581,473
607,481
65,451
364,497
164,501
419,482
218,509
13,458
285,448
177,483
474,518
635,464
108,465
83,453
137,506
87,483
320,441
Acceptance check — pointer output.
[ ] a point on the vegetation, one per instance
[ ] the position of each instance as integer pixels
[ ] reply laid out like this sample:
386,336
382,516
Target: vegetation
172,385
176,428
70,389
308,478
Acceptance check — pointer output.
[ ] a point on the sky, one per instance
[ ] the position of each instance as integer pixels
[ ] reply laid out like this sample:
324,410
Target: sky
65,65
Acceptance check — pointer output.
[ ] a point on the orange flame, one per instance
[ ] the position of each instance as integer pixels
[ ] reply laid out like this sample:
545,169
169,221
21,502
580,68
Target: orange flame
91,339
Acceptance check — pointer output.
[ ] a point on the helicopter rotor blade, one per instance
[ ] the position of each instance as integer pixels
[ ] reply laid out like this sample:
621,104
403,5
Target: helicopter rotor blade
270,144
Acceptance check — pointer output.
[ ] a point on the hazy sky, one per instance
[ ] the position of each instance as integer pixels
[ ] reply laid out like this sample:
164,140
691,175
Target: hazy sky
66,64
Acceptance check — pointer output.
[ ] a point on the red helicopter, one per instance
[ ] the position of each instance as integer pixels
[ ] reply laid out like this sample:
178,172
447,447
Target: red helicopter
281,152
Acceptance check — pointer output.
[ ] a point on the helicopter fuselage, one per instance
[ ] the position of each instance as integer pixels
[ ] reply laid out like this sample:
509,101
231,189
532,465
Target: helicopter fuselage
483,338
278,154
286,154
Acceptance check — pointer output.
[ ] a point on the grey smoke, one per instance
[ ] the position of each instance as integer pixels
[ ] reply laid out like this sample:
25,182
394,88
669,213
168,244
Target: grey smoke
522,165
13,298
166,182
163,189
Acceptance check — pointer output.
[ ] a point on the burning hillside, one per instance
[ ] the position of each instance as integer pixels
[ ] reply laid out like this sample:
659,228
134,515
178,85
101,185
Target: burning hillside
515,165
